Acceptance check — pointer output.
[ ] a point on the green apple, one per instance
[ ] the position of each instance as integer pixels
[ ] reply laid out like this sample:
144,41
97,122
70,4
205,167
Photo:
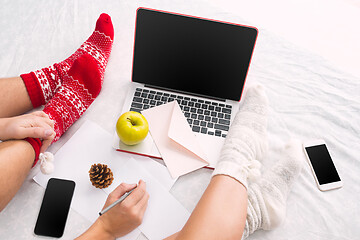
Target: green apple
132,128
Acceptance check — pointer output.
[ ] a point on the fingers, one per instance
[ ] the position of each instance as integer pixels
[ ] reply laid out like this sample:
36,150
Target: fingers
46,142
118,192
42,132
49,134
33,125
46,124
40,114
44,118
137,202
42,128
139,192
37,125
122,189
142,204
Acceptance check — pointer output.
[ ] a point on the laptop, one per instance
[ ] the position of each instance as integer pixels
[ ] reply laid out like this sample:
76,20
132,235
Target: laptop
200,63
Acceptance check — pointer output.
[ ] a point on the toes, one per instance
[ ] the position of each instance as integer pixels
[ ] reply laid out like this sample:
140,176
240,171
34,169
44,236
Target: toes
104,25
257,93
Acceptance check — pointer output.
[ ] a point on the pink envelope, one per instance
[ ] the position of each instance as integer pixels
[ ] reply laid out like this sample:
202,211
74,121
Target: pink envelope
174,139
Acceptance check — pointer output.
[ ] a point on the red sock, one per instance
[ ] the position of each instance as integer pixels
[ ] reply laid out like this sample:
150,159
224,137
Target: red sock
80,87
36,144
42,84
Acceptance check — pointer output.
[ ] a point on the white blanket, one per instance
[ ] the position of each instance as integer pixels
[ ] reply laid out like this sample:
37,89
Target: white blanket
309,98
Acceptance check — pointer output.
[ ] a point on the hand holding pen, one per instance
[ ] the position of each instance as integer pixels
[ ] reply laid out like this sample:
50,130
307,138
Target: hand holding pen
124,216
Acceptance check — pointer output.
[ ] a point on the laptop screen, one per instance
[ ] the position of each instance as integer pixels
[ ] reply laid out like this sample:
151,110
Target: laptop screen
192,55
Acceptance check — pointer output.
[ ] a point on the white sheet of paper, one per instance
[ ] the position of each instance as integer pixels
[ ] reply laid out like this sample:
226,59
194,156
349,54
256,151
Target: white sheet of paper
156,169
91,144
164,215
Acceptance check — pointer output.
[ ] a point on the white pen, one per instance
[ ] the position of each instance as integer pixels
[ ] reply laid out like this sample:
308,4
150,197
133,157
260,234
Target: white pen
122,198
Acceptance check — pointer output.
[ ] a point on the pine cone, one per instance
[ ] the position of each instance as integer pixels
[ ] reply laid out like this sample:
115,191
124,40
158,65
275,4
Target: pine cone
100,175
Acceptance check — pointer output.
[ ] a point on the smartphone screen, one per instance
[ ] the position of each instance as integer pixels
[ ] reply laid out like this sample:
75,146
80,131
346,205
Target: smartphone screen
322,164
55,208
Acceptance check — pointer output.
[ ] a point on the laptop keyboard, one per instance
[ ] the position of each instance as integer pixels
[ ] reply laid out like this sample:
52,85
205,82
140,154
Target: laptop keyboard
203,116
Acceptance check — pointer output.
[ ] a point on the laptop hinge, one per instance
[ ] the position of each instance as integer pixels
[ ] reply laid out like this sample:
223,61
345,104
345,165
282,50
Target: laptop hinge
184,92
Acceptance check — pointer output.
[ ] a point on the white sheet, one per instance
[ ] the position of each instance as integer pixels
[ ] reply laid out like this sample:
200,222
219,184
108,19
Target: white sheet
308,96
91,144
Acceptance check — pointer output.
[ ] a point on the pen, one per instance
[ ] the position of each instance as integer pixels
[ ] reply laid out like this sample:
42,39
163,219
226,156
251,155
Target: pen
122,198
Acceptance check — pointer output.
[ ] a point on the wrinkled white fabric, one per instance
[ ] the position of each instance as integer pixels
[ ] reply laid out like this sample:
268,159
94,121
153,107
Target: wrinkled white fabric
247,138
267,196
309,96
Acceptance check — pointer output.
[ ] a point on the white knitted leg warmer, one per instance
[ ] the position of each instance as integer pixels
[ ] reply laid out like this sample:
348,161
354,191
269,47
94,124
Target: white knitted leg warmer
247,138
267,197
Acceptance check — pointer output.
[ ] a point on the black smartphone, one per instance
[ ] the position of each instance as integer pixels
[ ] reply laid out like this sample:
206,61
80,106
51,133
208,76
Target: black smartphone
55,208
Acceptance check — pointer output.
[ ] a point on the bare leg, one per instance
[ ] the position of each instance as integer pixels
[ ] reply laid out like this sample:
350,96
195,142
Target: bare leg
16,159
222,210
14,99
220,213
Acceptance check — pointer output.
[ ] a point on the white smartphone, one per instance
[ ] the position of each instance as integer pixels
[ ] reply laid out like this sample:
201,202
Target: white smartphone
322,166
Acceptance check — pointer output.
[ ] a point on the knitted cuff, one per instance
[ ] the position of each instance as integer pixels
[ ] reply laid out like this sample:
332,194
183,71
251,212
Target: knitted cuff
33,88
233,170
36,144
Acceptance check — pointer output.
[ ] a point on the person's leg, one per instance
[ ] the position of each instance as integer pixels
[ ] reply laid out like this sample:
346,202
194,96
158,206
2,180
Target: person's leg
79,90
42,84
16,159
14,99
221,212
268,195
20,94
223,204
80,85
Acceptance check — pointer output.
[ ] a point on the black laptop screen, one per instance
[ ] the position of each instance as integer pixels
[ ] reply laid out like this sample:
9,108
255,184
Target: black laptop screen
192,55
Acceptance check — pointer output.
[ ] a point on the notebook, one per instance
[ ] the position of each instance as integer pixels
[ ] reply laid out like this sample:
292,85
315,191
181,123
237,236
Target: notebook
200,63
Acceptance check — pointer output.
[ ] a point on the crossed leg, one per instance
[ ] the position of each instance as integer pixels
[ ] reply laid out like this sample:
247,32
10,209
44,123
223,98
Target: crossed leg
66,89
16,156
16,159
14,99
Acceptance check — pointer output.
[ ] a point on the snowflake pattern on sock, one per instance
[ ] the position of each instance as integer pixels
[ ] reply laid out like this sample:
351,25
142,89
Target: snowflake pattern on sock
44,83
75,95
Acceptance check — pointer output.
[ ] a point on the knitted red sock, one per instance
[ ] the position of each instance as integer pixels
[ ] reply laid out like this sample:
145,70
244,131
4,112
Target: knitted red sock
80,87
42,84
36,144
